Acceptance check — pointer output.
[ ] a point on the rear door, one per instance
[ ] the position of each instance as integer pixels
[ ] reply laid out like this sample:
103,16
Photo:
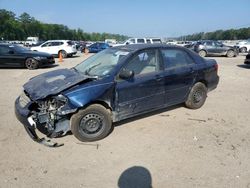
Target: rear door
145,91
9,57
180,74
4,56
220,48
210,47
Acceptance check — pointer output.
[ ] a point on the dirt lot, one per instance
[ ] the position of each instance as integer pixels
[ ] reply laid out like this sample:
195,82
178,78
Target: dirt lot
176,147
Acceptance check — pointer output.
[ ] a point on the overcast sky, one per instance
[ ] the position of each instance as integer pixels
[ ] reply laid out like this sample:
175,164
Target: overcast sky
138,18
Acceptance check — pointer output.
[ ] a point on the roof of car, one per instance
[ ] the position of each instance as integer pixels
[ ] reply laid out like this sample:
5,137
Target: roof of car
57,40
134,47
8,44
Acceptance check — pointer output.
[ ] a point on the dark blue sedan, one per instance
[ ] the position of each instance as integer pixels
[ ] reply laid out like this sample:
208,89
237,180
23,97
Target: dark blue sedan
113,85
97,47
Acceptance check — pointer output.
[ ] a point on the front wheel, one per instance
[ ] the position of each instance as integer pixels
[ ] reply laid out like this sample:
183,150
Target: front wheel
197,96
31,64
92,123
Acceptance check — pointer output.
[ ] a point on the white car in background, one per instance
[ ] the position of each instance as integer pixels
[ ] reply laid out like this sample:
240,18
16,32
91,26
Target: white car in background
66,47
243,46
140,41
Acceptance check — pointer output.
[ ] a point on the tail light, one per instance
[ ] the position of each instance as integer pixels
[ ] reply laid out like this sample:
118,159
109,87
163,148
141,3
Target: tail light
216,66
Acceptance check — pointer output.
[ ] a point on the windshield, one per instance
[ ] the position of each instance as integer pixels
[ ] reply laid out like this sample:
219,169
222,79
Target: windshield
102,63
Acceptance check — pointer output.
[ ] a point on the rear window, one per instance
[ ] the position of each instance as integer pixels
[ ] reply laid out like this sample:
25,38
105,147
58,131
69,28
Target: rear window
70,43
156,40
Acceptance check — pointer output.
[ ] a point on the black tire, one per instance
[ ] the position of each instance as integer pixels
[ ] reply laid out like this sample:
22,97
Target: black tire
202,53
230,53
197,96
91,124
243,50
31,64
64,54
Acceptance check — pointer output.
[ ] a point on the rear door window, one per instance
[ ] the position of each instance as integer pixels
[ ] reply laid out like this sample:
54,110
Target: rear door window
4,50
140,41
70,43
209,43
174,58
156,40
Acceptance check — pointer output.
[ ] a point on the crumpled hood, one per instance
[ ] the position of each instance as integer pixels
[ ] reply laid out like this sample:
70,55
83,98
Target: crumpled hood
52,83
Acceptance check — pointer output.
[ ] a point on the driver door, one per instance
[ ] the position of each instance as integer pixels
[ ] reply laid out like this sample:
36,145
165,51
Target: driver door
145,90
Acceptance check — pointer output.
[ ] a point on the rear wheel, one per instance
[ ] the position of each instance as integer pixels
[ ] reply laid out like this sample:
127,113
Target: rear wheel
64,53
243,50
91,124
197,96
202,53
31,64
230,53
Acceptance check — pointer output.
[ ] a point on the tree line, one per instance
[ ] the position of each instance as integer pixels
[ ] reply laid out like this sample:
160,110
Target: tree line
231,34
23,26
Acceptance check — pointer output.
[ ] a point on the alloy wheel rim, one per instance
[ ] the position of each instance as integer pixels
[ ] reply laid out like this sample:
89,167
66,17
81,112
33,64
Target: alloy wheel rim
30,64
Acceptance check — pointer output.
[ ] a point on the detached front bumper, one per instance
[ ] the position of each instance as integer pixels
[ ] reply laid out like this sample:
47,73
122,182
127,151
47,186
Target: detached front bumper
23,114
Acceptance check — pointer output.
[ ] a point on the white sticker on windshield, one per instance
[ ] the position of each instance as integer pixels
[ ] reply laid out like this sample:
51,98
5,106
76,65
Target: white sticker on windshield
121,53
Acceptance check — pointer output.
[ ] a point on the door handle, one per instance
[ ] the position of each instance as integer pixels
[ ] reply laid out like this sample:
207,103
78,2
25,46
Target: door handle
191,70
158,77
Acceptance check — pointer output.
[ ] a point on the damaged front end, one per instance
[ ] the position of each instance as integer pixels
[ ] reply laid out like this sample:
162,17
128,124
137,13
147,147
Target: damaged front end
51,116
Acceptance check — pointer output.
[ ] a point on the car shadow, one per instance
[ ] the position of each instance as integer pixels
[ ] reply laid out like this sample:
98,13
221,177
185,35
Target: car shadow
49,66
74,56
136,176
23,68
244,66
123,122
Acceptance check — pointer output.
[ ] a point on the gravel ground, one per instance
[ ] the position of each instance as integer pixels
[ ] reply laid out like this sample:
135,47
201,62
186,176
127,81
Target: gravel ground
174,147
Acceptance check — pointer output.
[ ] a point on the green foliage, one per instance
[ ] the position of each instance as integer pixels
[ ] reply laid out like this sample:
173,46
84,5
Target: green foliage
19,28
231,34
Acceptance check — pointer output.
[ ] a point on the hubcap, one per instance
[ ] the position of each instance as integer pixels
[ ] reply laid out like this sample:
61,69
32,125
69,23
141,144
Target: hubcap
231,54
31,64
243,50
202,53
91,124
198,95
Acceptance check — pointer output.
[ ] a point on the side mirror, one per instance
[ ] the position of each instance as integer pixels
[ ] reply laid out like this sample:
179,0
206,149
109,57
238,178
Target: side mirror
126,74
11,52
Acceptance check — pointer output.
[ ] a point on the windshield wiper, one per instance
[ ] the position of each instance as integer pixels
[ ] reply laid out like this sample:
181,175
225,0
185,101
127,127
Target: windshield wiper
91,68
88,75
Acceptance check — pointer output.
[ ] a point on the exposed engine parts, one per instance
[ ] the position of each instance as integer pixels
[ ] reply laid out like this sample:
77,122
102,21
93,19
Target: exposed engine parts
48,119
